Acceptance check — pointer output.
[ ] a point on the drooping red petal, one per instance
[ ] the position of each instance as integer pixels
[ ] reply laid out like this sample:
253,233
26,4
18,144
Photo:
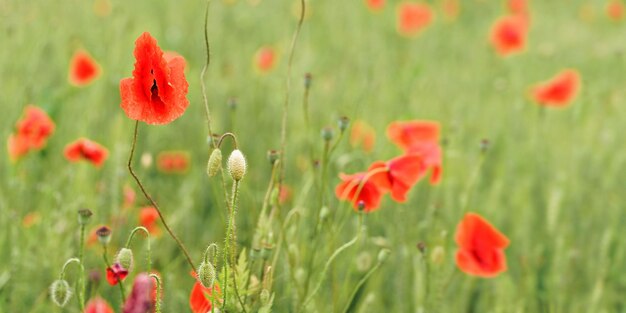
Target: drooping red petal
83,69
116,272
404,171
430,153
406,134
480,247
559,91
368,192
200,296
85,149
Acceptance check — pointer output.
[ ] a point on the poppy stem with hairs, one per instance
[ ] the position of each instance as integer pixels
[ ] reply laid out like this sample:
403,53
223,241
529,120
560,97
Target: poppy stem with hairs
130,239
149,198
159,290
108,265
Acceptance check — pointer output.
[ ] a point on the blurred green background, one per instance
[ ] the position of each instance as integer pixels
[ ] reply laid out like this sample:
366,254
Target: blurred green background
551,180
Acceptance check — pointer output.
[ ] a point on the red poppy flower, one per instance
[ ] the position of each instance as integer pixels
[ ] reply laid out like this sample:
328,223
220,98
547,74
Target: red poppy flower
559,91
85,149
98,305
363,135
481,247
399,175
615,10
116,273
265,59
413,18
406,134
129,197
17,147
508,34
430,153
31,132
173,162
157,92
516,7
369,195
375,5
148,218
83,69
285,194
200,297
31,219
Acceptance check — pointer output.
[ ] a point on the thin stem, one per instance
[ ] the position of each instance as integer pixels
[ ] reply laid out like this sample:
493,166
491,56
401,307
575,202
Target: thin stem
81,280
159,290
205,256
330,261
154,204
207,112
228,134
81,253
108,265
283,135
360,284
81,247
130,239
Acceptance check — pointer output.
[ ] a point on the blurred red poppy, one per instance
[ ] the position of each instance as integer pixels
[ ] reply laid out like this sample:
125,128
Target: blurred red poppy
375,5
148,218
413,18
481,247
517,7
83,69
116,273
157,92
419,138
400,174
98,305
363,135
173,162
369,194
31,132
615,10
85,149
451,9
265,59
508,34
430,153
129,197
200,297
559,91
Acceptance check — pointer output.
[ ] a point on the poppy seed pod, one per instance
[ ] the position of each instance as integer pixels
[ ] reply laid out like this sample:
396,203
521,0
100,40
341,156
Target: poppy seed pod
215,162
328,133
237,165
104,235
83,216
206,274
343,122
125,258
60,292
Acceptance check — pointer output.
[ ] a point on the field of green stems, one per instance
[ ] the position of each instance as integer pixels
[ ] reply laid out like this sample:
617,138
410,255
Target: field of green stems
419,156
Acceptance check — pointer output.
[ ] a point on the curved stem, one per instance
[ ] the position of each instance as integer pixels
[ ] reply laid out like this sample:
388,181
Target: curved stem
158,292
228,134
359,284
207,112
154,204
330,261
130,239
81,280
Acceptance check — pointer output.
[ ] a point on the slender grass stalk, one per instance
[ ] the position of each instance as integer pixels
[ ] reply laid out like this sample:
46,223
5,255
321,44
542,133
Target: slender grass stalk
359,285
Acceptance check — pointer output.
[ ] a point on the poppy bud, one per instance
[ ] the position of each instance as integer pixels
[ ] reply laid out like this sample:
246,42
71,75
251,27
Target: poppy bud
264,296
215,162
206,274
360,205
83,216
383,255
237,165
60,292
104,235
272,156
232,103
363,261
324,213
343,122
308,78
125,258
328,133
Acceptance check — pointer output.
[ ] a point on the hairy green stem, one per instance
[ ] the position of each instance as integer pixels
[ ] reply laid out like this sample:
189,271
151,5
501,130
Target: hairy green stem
81,280
159,291
130,239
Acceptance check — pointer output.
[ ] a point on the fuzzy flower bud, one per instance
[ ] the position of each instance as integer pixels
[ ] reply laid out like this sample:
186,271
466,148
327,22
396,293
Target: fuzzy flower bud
343,122
272,156
237,165
383,255
206,274
215,162
104,235
83,216
140,299
60,292
125,258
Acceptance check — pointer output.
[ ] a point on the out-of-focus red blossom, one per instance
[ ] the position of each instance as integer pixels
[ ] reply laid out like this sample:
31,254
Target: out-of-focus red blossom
285,194
517,7
451,9
85,149
508,34
200,296
419,138
157,92
375,5
31,219
173,162
559,91
31,132
129,197
615,10
369,193
116,273
363,135
140,299
98,305
83,69
148,218
413,18
398,175
481,247
265,59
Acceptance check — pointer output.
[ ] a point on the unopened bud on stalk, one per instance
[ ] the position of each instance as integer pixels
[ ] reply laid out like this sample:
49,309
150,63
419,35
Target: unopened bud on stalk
83,216
383,255
272,156
237,165
125,258
328,133
343,122
308,78
215,162
360,205
206,274
104,235
60,292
